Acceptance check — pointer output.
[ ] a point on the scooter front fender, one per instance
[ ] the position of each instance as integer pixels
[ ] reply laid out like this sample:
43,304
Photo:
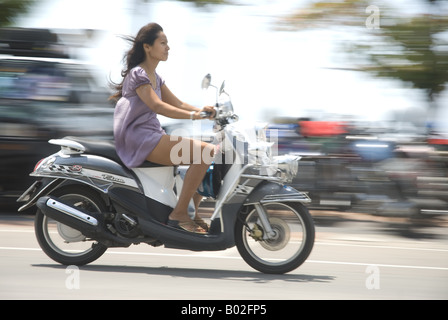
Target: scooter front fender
268,191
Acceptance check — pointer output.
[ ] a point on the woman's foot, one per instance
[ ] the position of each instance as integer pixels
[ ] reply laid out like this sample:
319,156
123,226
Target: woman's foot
189,226
200,222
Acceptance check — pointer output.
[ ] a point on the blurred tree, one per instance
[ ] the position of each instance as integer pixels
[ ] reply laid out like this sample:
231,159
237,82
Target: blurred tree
421,58
413,49
9,9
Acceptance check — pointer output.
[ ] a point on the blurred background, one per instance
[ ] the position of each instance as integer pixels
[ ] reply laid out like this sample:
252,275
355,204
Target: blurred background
357,88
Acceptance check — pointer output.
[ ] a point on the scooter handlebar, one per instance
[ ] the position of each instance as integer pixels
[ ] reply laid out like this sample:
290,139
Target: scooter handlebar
205,114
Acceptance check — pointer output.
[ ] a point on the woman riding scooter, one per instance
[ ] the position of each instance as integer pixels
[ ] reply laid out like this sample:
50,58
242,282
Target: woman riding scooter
138,134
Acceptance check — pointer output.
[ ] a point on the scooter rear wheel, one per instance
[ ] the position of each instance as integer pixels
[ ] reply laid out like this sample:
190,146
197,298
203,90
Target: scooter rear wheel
64,244
285,251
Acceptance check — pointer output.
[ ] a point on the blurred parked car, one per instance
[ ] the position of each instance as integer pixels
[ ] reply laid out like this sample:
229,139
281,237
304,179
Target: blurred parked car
43,95
350,167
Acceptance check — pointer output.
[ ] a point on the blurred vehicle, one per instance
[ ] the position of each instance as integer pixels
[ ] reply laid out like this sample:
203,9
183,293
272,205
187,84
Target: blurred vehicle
381,171
43,95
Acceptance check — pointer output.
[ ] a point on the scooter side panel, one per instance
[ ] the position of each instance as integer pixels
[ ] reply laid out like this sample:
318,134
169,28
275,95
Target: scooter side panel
98,172
138,204
158,184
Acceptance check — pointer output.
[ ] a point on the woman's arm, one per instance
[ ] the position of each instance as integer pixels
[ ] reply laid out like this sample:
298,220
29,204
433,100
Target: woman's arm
171,106
170,98
150,98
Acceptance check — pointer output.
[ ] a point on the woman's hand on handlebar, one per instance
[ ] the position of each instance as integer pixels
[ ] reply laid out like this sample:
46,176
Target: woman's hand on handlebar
208,112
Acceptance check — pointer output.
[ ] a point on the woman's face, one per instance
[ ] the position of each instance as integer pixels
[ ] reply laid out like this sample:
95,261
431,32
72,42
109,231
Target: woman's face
159,50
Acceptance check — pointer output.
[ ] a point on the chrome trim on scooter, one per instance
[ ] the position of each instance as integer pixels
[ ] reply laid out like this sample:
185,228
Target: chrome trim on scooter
71,212
265,178
268,191
68,147
264,220
298,197
33,193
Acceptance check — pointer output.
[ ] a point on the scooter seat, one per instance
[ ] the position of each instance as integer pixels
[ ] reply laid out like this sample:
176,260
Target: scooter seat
105,148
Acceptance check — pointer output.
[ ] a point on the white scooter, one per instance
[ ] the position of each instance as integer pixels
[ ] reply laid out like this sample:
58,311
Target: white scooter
89,201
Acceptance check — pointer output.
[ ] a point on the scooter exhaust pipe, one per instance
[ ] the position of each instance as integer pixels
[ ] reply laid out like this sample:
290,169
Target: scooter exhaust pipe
75,213
73,217
90,224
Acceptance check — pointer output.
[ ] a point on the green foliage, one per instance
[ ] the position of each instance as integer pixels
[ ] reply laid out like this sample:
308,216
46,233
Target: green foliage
414,52
9,9
411,49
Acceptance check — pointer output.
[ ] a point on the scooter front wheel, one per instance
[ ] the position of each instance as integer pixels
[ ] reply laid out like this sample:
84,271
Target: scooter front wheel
286,248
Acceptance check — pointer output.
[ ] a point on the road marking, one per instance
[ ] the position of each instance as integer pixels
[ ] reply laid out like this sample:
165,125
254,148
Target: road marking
307,261
377,264
378,246
17,230
407,246
20,249
239,258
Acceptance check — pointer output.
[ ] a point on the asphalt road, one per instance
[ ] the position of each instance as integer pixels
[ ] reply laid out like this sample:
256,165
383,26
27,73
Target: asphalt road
352,259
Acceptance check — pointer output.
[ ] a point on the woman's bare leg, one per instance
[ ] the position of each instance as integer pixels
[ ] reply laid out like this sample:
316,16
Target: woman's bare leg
191,152
192,179
197,198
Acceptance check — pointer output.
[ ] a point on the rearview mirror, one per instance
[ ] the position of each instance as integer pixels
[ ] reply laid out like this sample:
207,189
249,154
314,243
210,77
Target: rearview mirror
221,90
206,81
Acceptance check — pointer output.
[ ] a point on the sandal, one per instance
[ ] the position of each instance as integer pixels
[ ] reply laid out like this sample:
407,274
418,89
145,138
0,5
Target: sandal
189,226
200,222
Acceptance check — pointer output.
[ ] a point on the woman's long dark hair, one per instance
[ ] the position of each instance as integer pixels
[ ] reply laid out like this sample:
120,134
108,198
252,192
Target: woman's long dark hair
136,55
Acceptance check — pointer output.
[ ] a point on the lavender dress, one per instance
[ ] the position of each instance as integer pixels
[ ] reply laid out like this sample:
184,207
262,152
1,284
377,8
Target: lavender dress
137,130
